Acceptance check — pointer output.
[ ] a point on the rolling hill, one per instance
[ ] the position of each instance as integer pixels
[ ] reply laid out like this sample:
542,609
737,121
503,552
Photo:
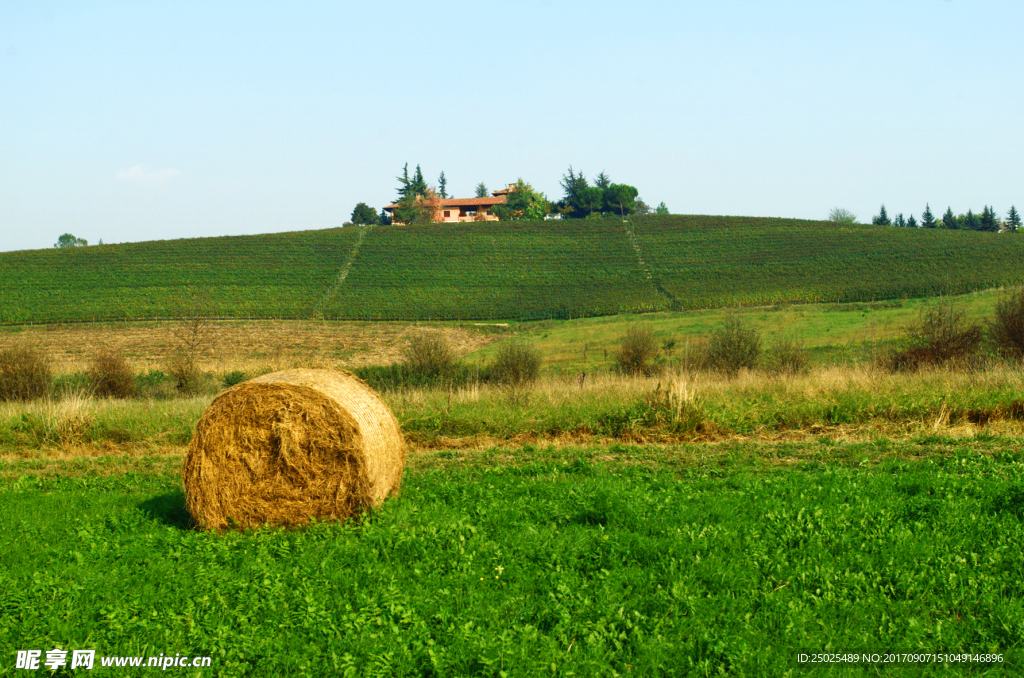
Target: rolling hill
498,270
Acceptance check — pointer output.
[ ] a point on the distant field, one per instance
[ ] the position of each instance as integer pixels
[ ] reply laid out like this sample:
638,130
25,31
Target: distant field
487,271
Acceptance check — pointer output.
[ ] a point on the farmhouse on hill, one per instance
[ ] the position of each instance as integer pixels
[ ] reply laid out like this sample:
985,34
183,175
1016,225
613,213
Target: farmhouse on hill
465,209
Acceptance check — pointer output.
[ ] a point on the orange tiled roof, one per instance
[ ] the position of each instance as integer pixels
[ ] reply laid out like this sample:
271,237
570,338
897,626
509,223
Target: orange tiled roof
462,202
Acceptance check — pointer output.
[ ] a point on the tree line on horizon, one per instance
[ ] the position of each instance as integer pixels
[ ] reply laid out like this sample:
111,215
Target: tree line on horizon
418,202
988,220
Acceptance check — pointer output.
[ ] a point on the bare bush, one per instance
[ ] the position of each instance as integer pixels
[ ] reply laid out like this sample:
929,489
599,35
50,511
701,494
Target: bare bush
638,351
110,375
25,373
429,356
193,337
941,337
733,347
1006,330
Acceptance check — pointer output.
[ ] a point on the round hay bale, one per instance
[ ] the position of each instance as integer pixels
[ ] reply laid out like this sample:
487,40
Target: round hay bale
289,446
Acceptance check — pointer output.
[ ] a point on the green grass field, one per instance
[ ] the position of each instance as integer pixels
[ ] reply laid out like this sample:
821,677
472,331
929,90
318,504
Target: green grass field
493,270
830,332
691,560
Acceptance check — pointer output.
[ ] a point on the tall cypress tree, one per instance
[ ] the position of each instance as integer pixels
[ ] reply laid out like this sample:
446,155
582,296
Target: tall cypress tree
1012,219
403,184
927,218
949,220
441,184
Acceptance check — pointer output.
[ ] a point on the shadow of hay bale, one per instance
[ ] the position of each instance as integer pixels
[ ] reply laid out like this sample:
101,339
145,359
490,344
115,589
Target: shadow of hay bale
287,447
168,509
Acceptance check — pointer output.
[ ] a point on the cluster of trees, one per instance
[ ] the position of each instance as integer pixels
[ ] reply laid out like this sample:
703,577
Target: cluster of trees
418,203
68,240
583,201
988,220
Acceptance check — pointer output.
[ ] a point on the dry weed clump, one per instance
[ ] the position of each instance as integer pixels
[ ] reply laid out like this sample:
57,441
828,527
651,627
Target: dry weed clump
289,447
25,373
110,375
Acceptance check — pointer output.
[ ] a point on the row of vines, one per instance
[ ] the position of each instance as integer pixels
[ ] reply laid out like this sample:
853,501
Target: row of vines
497,270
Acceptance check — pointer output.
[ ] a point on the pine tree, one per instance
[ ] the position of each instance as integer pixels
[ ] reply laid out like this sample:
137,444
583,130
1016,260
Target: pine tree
911,222
969,222
418,185
408,191
384,219
882,219
1012,219
927,218
899,221
988,221
602,181
579,198
441,184
949,220
481,190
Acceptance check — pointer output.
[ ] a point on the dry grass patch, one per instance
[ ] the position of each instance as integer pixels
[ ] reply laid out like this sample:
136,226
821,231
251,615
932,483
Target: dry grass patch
249,346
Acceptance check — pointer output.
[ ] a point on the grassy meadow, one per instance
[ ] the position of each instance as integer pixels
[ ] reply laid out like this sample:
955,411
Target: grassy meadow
526,561
596,524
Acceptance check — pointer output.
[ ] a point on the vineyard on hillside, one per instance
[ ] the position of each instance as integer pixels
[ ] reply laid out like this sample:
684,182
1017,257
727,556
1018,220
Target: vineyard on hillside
709,262
498,270
276,275
482,270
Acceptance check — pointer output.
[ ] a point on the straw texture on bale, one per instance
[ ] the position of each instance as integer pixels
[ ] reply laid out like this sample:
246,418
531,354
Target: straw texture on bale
289,446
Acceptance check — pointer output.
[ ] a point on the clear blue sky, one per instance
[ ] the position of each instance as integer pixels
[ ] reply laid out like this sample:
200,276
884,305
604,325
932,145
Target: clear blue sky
127,121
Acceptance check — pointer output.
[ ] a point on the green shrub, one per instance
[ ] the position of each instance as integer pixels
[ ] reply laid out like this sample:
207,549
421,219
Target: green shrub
110,375
515,368
638,351
154,384
733,347
25,373
399,377
1006,330
233,378
517,364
